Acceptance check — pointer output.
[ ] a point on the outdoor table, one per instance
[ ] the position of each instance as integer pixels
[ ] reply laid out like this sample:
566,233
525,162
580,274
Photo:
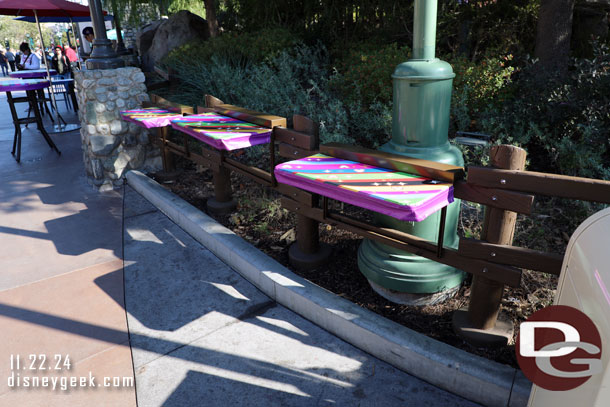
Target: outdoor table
154,117
222,132
32,73
404,196
31,87
150,117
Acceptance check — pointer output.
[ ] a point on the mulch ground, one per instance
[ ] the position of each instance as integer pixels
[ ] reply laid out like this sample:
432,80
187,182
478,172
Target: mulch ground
260,220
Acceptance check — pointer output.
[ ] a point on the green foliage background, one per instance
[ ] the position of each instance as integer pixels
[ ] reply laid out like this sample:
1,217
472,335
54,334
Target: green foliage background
16,31
332,60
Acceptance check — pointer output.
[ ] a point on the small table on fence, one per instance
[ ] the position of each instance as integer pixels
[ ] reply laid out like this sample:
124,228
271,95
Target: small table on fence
150,118
407,197
222,132
30,86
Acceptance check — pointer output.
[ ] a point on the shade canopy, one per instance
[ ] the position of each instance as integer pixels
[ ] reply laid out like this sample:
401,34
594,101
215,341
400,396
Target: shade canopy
29,19
44,8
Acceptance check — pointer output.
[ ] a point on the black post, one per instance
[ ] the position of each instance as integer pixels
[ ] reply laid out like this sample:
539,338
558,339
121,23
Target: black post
120,45
102,56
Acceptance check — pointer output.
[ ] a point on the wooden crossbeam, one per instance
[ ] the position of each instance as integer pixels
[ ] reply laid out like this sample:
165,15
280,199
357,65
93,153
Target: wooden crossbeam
409,243
496,198
158,101
295,138
515,256
562,186
247,115
430,169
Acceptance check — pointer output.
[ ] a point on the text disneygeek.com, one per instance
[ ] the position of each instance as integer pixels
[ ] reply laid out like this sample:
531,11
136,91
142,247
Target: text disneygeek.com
39,363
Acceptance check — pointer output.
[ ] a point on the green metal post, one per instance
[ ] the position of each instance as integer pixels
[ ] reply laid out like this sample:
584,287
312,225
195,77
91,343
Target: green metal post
422,97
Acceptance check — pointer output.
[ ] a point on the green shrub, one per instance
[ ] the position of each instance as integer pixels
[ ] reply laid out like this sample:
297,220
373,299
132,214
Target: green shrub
563,123
238,48
366,72
485,81
478,86
295,82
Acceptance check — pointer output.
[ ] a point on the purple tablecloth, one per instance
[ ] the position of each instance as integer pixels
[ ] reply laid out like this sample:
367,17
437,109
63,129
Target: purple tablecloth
222,132
149,117
23,84
32,73
403,196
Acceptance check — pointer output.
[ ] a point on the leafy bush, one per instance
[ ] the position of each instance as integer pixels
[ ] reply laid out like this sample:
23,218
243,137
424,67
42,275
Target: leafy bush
239,49
563,123
478,86
366,72
295,82
477,28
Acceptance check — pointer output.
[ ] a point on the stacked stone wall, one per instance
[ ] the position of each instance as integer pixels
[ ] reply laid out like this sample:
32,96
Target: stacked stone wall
112,146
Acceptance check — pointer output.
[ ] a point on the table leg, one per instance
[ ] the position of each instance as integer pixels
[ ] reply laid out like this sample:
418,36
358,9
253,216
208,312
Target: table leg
43,103
14,142
34,104
17,136
73,96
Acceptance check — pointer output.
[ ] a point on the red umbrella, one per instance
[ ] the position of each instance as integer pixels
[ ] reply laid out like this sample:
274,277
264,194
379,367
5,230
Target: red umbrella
43,8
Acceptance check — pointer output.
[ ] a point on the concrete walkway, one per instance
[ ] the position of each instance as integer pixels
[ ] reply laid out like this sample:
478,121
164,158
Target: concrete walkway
110,284
61,277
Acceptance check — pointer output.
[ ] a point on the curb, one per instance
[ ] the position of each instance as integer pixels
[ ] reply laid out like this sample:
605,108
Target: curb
475,378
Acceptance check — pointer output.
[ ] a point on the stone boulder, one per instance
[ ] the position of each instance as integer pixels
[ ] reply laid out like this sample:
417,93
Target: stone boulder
144,37
177,30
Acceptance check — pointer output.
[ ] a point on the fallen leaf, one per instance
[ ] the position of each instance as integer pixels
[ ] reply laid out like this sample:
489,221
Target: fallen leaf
289,236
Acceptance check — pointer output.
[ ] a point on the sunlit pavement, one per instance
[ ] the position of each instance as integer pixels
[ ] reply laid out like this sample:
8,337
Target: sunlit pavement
73,261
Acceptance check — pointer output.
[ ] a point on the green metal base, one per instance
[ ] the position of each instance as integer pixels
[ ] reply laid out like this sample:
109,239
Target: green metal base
400,271
405,272
416,300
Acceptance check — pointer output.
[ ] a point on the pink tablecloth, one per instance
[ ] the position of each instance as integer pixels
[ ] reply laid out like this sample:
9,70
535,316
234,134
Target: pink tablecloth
222,132
400,195
150,117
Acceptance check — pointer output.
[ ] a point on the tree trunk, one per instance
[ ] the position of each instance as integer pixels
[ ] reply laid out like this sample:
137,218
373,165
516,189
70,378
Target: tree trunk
210,16
553,34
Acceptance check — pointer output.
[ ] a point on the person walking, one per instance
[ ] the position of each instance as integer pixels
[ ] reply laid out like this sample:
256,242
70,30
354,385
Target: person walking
29,60
3,63
60,62
11,59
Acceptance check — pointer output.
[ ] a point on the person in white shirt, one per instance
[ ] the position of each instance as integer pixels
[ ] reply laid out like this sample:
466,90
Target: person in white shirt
29,60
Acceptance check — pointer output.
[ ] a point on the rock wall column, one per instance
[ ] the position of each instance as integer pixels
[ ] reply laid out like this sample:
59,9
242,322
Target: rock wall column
112,146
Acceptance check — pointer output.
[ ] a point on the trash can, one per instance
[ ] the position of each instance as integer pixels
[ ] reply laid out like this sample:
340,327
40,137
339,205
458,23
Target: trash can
584,283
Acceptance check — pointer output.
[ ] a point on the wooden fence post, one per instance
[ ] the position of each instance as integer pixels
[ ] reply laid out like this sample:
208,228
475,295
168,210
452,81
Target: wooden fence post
307,252
480,324
222,203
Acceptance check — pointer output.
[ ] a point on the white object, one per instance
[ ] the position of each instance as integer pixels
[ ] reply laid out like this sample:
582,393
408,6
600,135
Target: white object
584,283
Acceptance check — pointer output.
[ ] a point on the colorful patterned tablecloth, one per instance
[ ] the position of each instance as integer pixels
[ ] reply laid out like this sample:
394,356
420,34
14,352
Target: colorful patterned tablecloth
222,132
23,84
150,117
32,73
403,196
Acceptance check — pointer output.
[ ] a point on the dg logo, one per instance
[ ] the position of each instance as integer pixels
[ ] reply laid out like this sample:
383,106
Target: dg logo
559,348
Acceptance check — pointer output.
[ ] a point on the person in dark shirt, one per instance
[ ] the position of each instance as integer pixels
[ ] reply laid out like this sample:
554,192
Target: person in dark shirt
60,62
3,63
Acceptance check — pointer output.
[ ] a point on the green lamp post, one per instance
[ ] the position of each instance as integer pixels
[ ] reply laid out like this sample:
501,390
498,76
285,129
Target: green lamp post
420,126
